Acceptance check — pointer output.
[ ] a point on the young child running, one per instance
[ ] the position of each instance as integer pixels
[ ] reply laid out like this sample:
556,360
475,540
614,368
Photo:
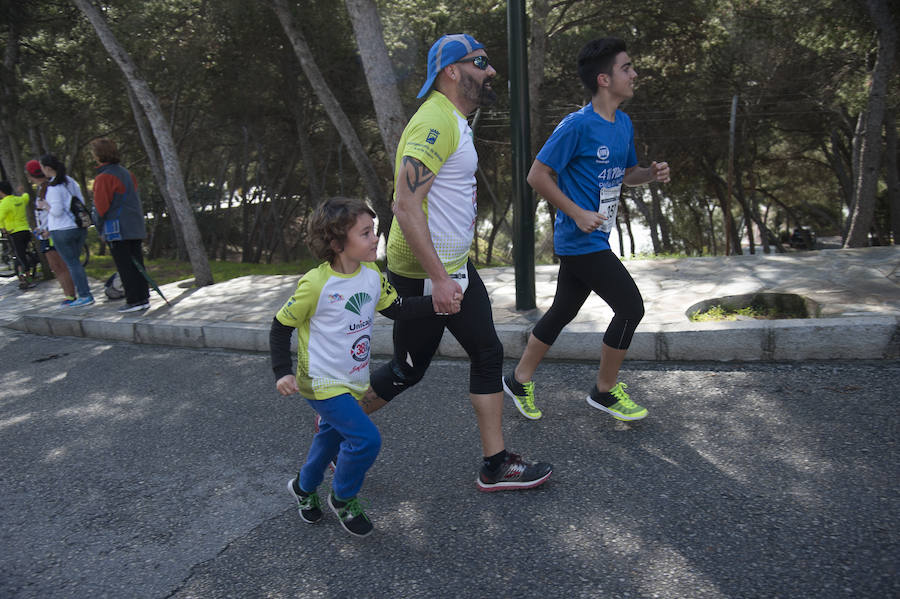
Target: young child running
333,310
580,170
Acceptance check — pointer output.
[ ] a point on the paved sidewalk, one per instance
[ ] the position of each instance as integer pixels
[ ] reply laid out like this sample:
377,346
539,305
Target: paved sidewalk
855,293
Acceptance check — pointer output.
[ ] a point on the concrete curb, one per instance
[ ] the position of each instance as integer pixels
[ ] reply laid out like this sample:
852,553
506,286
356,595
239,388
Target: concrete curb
848,338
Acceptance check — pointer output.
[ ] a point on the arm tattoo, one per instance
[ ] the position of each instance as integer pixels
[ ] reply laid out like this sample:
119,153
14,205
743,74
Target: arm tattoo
420,175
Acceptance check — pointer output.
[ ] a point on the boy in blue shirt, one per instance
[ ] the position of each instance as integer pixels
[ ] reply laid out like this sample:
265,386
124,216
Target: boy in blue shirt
591,153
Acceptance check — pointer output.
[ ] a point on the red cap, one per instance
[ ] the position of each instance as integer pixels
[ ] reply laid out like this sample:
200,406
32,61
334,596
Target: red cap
34,169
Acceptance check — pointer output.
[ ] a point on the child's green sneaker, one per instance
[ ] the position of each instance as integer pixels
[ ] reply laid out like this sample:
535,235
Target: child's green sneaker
617,403
308,504
351,515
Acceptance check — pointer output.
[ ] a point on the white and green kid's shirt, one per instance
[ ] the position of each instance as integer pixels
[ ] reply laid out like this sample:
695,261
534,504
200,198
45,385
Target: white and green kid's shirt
333,314
440,137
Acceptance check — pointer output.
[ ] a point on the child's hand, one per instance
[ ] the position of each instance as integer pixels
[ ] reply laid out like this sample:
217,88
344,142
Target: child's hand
287,385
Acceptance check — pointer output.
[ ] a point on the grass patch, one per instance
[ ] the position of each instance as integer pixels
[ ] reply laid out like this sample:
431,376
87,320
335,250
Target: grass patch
164,270
726,312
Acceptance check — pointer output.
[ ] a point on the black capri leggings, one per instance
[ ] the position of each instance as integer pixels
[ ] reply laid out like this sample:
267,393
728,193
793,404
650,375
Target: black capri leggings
416,341
20,247
604,274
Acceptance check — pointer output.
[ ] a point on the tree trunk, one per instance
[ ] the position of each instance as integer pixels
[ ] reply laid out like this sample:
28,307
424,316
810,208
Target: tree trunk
163,134
10,156
498,215
537,54
721,188
839,157
157,170
336,114
621,239
626,214
751,215
765,238
890,167
637,194
666,237
314,185
866,182
379,73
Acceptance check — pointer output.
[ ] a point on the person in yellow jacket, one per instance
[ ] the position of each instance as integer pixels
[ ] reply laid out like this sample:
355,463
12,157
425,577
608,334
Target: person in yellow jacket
14,220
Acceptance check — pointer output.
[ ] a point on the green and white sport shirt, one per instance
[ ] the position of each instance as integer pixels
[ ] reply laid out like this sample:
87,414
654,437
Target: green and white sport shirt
440,137
333,314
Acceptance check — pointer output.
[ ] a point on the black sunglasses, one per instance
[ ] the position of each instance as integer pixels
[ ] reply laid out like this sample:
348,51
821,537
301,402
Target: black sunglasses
479,61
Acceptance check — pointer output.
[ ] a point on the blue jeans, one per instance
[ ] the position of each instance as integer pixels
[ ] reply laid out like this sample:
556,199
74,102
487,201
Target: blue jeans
348,433
68,242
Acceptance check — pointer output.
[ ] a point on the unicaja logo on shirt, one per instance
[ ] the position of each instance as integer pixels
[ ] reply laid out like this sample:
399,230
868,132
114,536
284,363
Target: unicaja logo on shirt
355,303
432,136
603,154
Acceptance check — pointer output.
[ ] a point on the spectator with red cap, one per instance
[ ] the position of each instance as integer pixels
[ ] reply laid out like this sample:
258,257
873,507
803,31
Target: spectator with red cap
57,264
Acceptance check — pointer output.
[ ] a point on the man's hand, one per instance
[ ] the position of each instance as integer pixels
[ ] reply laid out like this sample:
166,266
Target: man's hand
660,171
588,220
287,385
446,295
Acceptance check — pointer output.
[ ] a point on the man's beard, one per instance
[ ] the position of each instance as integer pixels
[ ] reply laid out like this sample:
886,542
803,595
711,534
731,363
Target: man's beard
488,97
482,95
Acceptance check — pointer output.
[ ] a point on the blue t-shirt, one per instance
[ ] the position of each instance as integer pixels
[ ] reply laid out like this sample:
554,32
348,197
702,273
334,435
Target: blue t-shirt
589,155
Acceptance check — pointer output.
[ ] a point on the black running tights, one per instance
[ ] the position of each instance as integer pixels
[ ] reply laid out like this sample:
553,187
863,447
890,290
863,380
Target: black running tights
604,274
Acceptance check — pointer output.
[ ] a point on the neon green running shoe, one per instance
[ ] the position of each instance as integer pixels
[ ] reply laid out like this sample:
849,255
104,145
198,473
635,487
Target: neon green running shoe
621,407
523,396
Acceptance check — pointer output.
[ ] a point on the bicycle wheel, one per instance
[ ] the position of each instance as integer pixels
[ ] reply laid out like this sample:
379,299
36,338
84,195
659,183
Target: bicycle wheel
7,264
85,255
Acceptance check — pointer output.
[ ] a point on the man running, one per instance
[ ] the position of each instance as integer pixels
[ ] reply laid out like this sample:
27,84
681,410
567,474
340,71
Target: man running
428,253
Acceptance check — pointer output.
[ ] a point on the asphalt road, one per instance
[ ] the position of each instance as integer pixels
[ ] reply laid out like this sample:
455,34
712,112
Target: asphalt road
141,471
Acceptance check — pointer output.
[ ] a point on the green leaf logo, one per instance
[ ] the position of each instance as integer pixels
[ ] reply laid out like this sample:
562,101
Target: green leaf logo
355,303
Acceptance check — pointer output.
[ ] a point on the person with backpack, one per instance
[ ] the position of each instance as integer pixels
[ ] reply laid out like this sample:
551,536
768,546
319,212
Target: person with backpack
67,236
45,244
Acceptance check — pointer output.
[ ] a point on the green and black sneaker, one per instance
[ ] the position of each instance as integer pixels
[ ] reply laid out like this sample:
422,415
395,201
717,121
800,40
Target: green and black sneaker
351,515
522,395
617,403
308,504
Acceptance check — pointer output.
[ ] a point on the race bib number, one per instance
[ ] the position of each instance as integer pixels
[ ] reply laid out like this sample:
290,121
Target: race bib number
609,206
461,277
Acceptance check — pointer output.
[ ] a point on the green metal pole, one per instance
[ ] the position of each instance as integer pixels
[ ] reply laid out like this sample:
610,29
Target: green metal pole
523,200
